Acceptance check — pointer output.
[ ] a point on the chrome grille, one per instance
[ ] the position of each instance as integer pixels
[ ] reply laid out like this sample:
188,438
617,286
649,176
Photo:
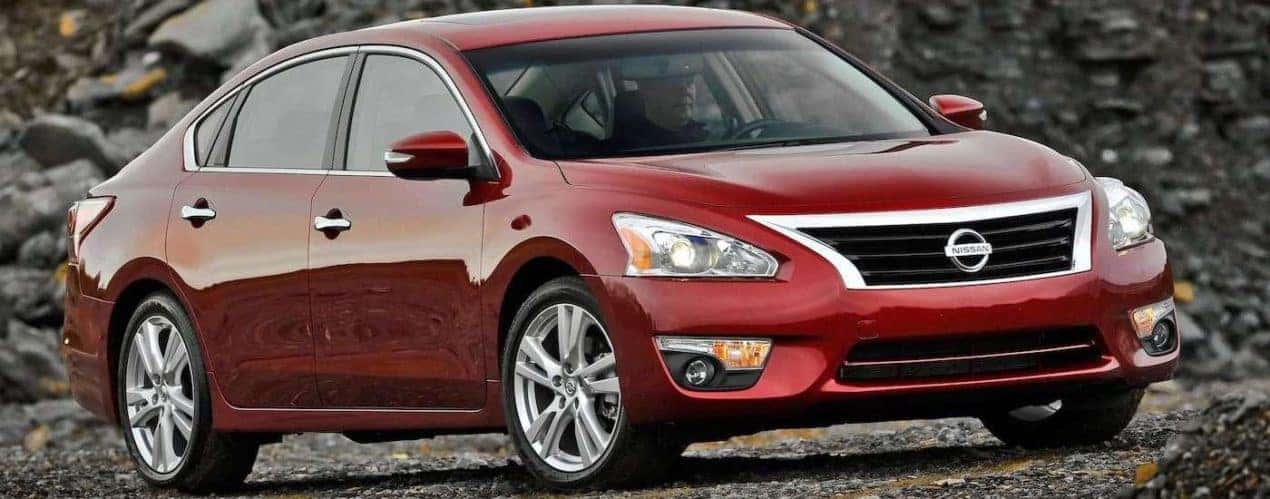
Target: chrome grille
983,354
912,254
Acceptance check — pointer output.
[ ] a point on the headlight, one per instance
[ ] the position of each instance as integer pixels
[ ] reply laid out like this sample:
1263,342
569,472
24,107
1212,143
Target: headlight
656,247
1130,218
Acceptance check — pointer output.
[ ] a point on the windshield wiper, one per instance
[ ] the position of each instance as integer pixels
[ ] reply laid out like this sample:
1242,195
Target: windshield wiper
778,143
707,148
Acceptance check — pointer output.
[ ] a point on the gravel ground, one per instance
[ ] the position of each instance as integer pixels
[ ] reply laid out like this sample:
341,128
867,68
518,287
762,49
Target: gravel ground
54,449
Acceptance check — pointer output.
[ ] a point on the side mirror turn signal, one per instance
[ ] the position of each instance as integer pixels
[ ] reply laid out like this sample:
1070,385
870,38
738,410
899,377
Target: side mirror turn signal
429,155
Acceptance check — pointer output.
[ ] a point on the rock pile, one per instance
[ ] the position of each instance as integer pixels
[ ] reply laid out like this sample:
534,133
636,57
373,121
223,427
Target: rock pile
1170,96
1223,453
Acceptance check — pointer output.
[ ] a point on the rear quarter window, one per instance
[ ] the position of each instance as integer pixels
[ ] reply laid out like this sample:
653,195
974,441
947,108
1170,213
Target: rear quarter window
285,120
205,131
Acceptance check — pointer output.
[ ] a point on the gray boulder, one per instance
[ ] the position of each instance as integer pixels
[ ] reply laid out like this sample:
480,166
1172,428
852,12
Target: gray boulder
136,81
43,251
1180,202
1224,81
10,125
57,139
1253,358
1112,35
1251,130
286,12
168,109
30,367
1192,332
1262,169
1207,353
939,15
14,164
152,16
25,292
18,220
223,31
72,181
134,141
38,200
52,191
64,424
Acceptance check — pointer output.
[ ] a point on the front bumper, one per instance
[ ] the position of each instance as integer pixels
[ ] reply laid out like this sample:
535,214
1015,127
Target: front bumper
814,322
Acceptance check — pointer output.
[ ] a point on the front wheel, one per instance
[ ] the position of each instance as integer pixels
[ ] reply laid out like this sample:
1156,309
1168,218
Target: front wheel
563,398
165,406
1077,420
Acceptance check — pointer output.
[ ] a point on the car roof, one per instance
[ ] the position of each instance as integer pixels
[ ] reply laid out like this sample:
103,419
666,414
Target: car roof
512,26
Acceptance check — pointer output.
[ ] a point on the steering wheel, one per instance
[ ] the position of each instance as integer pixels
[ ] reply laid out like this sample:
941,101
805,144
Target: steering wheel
756,128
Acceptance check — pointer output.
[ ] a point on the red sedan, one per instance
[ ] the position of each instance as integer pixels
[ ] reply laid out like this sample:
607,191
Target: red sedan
609,232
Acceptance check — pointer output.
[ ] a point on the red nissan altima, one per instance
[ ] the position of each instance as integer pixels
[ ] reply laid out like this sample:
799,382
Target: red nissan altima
609,232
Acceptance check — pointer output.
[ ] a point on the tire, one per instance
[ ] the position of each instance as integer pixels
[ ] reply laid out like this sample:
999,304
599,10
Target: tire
205,460
1079,420
633,455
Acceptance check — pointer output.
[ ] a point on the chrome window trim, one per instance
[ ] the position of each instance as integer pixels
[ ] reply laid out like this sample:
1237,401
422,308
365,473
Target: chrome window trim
789,226
417,55
360,173
191,165
296,171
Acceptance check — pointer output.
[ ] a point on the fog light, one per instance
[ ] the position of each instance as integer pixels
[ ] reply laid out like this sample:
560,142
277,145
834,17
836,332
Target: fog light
712,364
699,371
733,353
1155,326
1161,339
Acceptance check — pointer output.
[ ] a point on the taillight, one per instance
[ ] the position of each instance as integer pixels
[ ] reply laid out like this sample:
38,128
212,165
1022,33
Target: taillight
81,219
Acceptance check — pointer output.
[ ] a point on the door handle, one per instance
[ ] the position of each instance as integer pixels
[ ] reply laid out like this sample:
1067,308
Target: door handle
197,214
338,224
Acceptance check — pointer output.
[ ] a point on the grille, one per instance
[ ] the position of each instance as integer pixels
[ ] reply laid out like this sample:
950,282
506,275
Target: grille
972,355
1022,245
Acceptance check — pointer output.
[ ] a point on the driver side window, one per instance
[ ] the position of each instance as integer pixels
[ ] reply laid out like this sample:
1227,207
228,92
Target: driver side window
398,97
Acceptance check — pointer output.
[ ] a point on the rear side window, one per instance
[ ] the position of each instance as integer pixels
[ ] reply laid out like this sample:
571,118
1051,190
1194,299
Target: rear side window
398,97
205,132
285,118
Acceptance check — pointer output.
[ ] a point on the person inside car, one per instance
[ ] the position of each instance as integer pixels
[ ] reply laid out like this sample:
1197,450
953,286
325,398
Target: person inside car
660,112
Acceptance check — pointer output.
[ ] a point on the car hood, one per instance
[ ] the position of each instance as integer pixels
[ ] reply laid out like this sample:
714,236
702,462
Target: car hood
912,172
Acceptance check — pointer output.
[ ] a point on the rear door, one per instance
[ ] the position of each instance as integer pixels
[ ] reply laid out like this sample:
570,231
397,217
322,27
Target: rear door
240,227
395,303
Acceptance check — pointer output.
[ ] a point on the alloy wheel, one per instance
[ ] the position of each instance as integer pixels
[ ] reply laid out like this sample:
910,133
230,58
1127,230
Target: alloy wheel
159,394
567,398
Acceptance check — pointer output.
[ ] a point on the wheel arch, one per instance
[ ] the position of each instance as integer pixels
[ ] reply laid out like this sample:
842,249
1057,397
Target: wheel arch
531,276
127,302
526,268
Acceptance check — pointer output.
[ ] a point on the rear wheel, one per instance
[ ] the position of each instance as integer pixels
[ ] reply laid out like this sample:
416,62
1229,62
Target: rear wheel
165,407
1077,420
563,398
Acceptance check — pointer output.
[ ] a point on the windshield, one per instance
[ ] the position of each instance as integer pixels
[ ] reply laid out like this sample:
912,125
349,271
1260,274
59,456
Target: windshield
685,91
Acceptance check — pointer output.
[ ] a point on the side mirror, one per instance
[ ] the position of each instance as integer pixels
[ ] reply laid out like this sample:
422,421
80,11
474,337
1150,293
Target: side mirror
963,111
429,155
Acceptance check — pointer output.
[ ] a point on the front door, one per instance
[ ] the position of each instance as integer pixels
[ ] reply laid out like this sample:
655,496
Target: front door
240,227
394,264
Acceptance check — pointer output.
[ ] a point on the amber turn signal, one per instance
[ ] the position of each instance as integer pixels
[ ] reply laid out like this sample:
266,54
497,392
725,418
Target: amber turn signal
733,353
